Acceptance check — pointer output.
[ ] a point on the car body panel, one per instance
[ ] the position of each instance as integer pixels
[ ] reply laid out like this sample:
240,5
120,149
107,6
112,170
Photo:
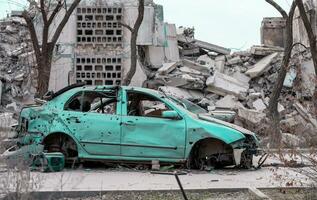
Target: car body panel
124,137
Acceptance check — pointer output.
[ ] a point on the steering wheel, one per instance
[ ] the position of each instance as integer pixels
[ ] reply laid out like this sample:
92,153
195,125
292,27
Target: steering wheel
132,112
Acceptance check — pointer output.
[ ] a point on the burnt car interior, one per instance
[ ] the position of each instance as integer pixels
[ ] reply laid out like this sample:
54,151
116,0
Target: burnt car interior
140,104
93,101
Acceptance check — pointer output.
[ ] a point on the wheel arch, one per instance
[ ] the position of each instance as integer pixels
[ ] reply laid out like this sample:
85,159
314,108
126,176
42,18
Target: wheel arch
207,141
205,146
53,135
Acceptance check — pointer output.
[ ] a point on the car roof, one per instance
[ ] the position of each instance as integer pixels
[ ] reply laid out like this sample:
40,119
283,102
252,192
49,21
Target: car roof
107,87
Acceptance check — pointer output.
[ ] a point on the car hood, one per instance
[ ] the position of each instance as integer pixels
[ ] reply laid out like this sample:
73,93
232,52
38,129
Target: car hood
208,128
208,118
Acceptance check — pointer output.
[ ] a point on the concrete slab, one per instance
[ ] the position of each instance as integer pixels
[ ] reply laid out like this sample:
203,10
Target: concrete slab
223,84
203,68
251,116
182,93
259,105
260,67
155,55
308,75
206,61
229,101
167,68
220,63
171,44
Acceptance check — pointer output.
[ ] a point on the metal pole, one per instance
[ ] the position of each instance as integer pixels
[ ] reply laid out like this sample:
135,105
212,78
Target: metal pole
181,187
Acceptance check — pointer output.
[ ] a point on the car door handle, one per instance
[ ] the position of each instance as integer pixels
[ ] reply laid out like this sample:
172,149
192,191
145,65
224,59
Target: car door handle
73,119
129,123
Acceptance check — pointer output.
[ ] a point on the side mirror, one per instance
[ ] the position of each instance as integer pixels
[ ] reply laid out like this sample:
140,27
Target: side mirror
170,115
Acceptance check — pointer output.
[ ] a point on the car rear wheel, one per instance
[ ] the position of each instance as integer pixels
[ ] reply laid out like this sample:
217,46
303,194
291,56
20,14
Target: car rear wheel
63,144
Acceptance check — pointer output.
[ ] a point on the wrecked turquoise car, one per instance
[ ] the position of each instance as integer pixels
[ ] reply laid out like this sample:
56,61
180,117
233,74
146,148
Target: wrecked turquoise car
132,124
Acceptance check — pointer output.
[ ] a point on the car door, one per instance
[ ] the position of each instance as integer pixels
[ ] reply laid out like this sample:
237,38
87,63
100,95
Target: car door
97,130
147,134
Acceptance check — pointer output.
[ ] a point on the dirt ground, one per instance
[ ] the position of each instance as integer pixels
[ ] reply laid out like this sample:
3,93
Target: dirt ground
170,196
291,194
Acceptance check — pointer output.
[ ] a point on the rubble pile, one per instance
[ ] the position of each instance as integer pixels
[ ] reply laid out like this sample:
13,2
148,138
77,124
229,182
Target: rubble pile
242,81
16,65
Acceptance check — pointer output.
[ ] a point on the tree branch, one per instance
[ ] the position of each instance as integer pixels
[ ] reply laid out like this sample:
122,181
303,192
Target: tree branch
63,22
42,9
55,11
140,18
126,26
34,38
278,8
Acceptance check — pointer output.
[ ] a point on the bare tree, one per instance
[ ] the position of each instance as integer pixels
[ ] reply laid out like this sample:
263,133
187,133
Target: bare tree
273,114
133,42
44,51
312,43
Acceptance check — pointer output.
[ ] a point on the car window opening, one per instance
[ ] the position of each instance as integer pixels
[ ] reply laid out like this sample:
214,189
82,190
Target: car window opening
145,105
95,102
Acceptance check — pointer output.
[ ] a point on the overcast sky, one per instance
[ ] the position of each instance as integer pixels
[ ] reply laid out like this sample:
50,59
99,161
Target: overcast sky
231,23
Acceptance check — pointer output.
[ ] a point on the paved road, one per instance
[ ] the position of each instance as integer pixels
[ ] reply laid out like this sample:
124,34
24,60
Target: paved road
112,180
103,180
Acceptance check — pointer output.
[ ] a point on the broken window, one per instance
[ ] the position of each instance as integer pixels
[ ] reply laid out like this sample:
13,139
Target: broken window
144,105
75,103
94,101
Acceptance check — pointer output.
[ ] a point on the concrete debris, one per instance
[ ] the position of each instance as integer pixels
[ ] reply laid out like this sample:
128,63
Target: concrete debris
182,93
259,105
206,61
220,63
196,66
290,78
265,50
240,83
290,140
263,65
223,84
305,114
229,101
7,122
308,78
191,43
167,68
235,61
17,84
251,116
280,107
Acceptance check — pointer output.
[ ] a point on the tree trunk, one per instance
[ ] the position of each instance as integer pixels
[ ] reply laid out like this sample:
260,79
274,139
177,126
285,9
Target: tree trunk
134,59
273,114
312,43
133,43
44,72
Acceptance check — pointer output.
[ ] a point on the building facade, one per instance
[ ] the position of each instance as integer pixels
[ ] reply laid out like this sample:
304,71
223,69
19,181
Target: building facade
95,48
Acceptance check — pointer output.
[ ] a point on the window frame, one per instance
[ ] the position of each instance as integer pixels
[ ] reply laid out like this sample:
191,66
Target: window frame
150,95
118,110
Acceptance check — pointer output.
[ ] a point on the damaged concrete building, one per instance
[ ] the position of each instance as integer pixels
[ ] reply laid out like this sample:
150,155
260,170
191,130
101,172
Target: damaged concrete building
95,48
